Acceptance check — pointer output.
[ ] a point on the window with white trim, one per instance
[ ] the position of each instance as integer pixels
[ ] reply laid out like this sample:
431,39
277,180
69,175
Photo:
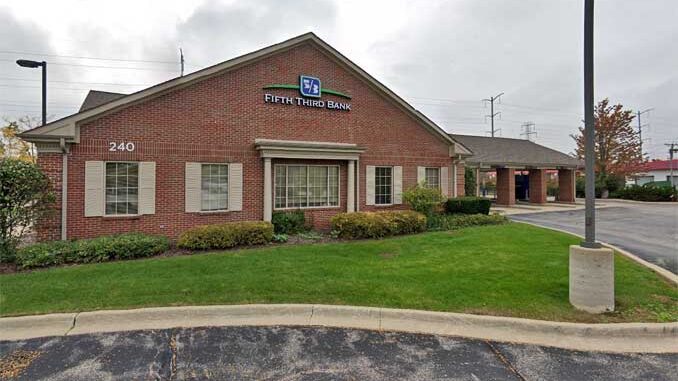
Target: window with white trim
214,187
306,186
122,188
383,185
432,177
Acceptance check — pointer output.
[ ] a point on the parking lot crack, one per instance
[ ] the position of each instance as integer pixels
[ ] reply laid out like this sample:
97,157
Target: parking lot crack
75,319
505,360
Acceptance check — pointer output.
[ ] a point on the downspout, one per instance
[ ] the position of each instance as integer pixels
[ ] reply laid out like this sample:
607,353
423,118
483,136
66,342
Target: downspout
64,186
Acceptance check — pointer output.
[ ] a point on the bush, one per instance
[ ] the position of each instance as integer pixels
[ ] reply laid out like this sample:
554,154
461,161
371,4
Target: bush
226,235
377,224
468,205
291,222
423,200
469,181
25,196
647,192
458,221
102,249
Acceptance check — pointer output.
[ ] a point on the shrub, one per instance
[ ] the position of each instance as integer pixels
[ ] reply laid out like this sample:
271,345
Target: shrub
468,205
423,200
226,235
25,196
458,221
647,192
377,224
280,238
102,249
469,181
290,222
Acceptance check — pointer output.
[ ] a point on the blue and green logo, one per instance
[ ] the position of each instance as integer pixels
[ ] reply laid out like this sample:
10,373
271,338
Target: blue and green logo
309,87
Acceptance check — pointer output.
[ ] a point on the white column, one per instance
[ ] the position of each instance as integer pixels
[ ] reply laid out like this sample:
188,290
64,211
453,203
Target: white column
478,181
350,187
268,194
454,178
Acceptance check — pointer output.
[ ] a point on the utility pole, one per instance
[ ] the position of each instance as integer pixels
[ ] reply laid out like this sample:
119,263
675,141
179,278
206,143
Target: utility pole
528,130
492,113
181,57
672,148
640,129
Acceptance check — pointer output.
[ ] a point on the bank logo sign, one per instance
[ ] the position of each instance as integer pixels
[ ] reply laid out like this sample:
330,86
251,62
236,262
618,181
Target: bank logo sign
309,86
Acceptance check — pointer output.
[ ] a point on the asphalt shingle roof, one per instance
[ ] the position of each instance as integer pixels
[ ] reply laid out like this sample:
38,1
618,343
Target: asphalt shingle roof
513,152
96,98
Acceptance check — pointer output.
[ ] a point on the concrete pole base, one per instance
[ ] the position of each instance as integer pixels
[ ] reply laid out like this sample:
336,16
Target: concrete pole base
592,279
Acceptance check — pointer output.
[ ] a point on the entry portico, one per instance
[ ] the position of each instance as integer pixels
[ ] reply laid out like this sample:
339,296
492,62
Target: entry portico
521,164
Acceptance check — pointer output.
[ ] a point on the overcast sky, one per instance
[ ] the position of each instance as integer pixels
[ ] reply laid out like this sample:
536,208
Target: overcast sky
444,57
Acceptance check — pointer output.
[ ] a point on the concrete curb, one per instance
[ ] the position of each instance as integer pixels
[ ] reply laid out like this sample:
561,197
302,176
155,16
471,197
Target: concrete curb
662,272
620,338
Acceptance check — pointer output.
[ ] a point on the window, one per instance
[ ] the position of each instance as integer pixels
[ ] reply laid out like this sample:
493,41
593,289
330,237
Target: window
303,186
214,187
122,188
432,178
383,185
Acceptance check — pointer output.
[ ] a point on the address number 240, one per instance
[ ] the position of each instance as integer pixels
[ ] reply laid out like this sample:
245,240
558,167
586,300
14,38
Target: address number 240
121,147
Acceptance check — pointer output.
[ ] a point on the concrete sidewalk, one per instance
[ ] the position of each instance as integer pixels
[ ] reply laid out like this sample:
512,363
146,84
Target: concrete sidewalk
620,338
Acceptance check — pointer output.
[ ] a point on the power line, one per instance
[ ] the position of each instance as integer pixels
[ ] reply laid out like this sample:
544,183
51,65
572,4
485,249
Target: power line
492,113
87,58
103,67
528,130
76,82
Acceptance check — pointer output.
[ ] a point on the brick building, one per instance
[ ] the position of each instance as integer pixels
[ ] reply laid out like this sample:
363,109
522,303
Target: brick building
293,125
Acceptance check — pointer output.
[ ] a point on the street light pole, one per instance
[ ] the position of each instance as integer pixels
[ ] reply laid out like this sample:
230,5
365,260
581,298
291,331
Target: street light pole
35,64
589,131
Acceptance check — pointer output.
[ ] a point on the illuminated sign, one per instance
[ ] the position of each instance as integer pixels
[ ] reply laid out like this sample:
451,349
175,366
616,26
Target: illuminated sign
309,87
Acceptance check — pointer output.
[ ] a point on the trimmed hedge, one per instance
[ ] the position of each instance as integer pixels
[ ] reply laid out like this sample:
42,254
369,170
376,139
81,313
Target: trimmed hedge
458,221
647,192
468,205
226,235
102,249
377,224
290,222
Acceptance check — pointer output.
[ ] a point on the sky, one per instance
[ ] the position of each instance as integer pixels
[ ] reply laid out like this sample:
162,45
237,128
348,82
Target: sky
444,57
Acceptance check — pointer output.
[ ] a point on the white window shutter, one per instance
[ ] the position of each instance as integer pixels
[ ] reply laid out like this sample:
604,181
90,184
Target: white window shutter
445,181
147,187
235,186
421,174
192,187
94,188
369,185
397,185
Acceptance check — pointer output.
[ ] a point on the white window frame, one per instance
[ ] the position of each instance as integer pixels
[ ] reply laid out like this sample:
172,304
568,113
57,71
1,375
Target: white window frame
228,194
426,178
375,185
275,188
107,215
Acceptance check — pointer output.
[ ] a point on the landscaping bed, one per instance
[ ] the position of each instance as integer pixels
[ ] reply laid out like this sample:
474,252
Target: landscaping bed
509,270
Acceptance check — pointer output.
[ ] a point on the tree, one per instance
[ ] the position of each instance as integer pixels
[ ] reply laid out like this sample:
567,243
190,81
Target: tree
617,144
25,196
10,143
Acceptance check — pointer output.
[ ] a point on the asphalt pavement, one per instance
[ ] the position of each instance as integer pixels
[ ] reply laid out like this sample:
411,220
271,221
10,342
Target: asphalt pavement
311,353
647,230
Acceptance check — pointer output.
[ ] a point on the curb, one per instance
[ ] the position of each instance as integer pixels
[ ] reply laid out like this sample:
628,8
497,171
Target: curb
662,272
619,338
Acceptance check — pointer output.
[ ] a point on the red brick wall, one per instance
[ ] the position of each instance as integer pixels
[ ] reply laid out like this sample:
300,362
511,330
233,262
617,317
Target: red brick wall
537,186
461,180
506,186
218,119
566,185
49,227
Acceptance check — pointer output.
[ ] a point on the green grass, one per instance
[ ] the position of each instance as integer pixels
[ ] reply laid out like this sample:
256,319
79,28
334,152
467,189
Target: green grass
509,270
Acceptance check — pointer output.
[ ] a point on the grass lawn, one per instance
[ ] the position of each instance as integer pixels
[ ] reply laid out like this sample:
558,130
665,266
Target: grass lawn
509,270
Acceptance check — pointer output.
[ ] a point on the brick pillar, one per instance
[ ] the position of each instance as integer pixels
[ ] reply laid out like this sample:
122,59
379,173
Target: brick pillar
566,185
48,228
537,186
461,171
506,186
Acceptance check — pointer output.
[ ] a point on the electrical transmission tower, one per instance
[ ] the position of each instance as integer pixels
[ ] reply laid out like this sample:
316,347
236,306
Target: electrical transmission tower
529,130
492,113
673,148
640,129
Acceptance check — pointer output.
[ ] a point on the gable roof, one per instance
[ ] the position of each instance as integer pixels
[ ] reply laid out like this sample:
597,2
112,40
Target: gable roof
500,152
68,127
96,98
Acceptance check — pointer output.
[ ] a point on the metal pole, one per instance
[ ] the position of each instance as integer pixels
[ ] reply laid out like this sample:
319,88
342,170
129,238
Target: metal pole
589,130
44,93
492,113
